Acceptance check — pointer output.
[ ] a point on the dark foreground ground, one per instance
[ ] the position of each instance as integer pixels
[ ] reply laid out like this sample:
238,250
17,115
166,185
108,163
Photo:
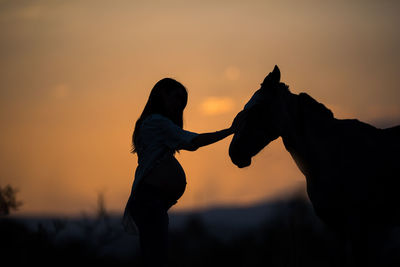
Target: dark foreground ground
284,232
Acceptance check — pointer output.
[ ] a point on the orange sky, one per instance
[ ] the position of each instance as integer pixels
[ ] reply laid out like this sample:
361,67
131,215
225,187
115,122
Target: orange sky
74,76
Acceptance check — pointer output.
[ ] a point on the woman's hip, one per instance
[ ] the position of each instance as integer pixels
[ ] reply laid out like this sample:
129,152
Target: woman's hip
150,200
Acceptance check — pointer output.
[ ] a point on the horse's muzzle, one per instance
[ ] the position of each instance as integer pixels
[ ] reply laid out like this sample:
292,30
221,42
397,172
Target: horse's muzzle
243,163
238,158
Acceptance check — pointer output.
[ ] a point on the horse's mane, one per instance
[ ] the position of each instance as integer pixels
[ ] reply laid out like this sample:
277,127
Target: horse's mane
284,87
317,108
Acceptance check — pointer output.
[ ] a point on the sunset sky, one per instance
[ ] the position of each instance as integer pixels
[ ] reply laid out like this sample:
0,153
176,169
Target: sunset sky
75,75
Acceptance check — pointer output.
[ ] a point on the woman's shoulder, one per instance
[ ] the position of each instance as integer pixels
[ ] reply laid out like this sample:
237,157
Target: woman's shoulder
155,120
156,116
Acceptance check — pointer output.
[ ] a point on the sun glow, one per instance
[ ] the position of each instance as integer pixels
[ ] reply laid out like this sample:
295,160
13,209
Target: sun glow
217,105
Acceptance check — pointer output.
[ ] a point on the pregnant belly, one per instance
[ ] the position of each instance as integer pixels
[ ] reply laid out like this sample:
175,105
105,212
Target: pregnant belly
169,176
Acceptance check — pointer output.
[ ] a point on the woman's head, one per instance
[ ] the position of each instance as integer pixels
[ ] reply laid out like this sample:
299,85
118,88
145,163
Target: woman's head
168,98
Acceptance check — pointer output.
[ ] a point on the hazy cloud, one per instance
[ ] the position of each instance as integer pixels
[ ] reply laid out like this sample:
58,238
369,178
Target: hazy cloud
217,105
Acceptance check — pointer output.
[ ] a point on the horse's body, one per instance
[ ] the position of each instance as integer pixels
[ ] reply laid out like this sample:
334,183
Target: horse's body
352,169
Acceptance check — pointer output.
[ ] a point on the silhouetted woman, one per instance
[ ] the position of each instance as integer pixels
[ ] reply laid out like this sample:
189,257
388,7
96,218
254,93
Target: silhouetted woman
159,178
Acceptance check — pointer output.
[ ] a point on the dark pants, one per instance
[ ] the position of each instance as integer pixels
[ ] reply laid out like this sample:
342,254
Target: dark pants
149,211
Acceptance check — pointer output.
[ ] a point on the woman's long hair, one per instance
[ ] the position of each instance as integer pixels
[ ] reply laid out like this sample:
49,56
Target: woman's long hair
155,104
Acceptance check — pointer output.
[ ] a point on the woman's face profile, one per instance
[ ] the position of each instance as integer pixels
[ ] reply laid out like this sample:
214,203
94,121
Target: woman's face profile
174,101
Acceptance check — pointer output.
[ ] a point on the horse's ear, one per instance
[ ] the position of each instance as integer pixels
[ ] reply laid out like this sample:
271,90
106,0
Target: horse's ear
276,75
273,77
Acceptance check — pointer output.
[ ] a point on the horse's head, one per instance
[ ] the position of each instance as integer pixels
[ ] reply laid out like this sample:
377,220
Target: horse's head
261,123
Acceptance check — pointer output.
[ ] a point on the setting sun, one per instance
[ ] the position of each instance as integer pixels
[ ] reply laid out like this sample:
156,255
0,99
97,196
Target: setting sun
217,105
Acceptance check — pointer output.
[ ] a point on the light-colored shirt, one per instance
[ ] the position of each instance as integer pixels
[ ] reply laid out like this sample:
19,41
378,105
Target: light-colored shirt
158,137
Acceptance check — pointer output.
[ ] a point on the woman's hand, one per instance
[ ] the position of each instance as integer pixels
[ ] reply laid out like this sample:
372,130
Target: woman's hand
237,121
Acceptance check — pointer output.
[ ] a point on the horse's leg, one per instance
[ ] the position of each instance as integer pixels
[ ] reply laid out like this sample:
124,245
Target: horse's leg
346,241
384,246
357,242
362,251
346,259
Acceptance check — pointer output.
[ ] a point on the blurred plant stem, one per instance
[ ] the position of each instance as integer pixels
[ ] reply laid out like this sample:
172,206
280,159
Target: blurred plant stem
8,200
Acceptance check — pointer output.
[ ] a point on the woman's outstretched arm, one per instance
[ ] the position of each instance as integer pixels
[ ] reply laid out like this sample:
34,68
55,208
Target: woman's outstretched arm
205,139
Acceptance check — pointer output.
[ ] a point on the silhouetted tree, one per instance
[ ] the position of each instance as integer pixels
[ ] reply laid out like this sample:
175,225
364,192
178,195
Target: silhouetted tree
8,200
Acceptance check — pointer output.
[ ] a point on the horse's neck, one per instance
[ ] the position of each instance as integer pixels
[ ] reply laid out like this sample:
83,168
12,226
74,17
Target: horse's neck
301,131
291,130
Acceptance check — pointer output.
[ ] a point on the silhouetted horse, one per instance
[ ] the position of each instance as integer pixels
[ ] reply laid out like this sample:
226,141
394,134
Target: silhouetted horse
352,169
